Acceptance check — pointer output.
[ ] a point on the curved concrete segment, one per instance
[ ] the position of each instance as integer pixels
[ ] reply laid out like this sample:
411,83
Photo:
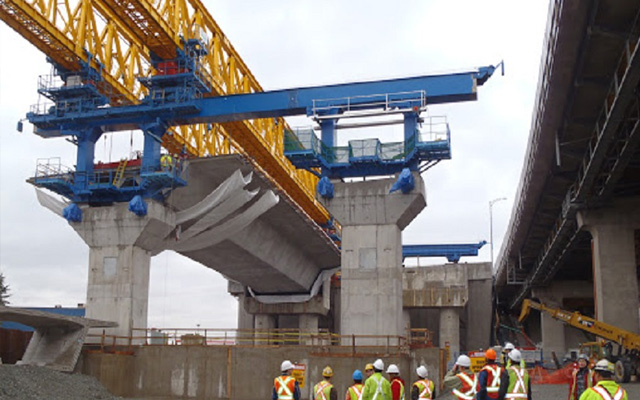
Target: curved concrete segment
235,182
57,340
230,227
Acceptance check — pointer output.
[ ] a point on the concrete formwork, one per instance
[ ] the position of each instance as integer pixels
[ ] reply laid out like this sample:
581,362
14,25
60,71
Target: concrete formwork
239,373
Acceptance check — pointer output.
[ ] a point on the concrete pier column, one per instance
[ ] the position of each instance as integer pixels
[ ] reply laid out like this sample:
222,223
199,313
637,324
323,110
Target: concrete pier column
372,221
614,261
553,337
308,325
264,324
450,331
119,260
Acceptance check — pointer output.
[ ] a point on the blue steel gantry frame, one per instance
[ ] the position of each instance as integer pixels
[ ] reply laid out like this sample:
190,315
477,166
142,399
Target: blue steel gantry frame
171,102
452,252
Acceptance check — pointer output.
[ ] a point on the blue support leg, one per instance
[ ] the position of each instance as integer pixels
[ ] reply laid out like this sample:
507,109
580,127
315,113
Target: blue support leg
85,158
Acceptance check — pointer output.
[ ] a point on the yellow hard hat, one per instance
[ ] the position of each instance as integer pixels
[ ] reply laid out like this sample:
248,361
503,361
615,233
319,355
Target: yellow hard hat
327,372
368,367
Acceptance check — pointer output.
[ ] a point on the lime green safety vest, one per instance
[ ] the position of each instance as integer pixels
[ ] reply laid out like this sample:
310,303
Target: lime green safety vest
355,392
322,390
425,388
518,383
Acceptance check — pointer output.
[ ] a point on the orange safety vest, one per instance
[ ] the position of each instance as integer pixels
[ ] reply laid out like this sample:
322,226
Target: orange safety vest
424,389
355,391
285,386
468,390
493,380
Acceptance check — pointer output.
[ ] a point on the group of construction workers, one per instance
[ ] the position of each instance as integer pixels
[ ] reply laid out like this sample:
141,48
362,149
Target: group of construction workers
507,379
371,385
596,383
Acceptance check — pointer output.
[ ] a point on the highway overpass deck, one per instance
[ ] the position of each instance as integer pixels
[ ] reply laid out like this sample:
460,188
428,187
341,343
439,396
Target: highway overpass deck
583,148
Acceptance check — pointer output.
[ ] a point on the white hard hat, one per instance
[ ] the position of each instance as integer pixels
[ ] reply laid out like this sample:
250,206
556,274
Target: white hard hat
422,371
463,361
515,355
604,365
286,365
509,346
378,364
393,369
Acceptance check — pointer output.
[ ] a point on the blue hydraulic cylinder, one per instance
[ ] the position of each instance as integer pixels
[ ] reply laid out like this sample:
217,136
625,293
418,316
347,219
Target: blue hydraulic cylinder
452,252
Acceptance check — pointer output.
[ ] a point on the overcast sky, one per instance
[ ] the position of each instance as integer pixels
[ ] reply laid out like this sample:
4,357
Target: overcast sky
290,43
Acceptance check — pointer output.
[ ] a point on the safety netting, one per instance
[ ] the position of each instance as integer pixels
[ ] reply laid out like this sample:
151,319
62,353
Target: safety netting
541,376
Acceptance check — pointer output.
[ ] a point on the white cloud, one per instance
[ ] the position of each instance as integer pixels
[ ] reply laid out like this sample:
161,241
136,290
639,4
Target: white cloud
291,43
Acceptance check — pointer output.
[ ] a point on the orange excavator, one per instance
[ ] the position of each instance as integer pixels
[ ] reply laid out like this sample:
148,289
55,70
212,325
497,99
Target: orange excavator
627,359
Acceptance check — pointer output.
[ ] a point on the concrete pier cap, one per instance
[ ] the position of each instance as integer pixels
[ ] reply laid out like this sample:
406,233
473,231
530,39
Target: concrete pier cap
372,221
120,246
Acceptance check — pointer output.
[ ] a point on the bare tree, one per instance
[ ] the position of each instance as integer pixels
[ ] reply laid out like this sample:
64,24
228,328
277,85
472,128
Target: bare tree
4,291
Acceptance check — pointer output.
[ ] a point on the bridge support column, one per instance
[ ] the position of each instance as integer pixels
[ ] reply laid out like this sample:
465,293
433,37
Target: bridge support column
450,332
614,261
119,259
557,337
372,222
553,340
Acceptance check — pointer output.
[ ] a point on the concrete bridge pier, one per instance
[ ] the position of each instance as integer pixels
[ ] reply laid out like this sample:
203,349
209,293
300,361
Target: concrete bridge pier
372,221
557,337
613,232
120,244
450,331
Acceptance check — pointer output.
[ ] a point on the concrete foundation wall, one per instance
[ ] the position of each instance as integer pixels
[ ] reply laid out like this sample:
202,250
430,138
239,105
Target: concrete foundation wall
183,372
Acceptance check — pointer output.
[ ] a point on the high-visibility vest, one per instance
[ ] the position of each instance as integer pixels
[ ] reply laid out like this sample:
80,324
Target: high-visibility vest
322,390
619,395
425,388
518,383
469,382
588,377
378,380
284,385
355,391
493,380
401,388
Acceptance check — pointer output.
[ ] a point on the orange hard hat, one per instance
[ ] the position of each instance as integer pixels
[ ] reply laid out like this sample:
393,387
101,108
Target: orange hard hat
490,354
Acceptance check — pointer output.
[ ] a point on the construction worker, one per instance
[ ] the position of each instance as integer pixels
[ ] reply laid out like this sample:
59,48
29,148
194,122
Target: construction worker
324,390
506,362
285,386
355,391
606,388
582,378
397,383
460,383
376,387
514,381
423,388
368,370
166,162
489,377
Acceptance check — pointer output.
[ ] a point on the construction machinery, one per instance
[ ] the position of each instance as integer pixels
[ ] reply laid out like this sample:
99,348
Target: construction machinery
627,356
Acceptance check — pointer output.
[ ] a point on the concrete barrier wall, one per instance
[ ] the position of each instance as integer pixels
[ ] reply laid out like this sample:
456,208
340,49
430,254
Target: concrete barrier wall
199,372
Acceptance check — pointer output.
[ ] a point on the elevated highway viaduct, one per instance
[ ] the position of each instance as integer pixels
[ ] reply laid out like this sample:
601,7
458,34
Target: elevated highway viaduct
574,235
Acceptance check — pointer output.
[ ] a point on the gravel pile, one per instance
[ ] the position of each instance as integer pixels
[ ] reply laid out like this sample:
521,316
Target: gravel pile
38,383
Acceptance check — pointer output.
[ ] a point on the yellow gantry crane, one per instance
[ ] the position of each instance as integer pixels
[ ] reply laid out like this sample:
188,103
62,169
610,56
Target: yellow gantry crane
117,38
